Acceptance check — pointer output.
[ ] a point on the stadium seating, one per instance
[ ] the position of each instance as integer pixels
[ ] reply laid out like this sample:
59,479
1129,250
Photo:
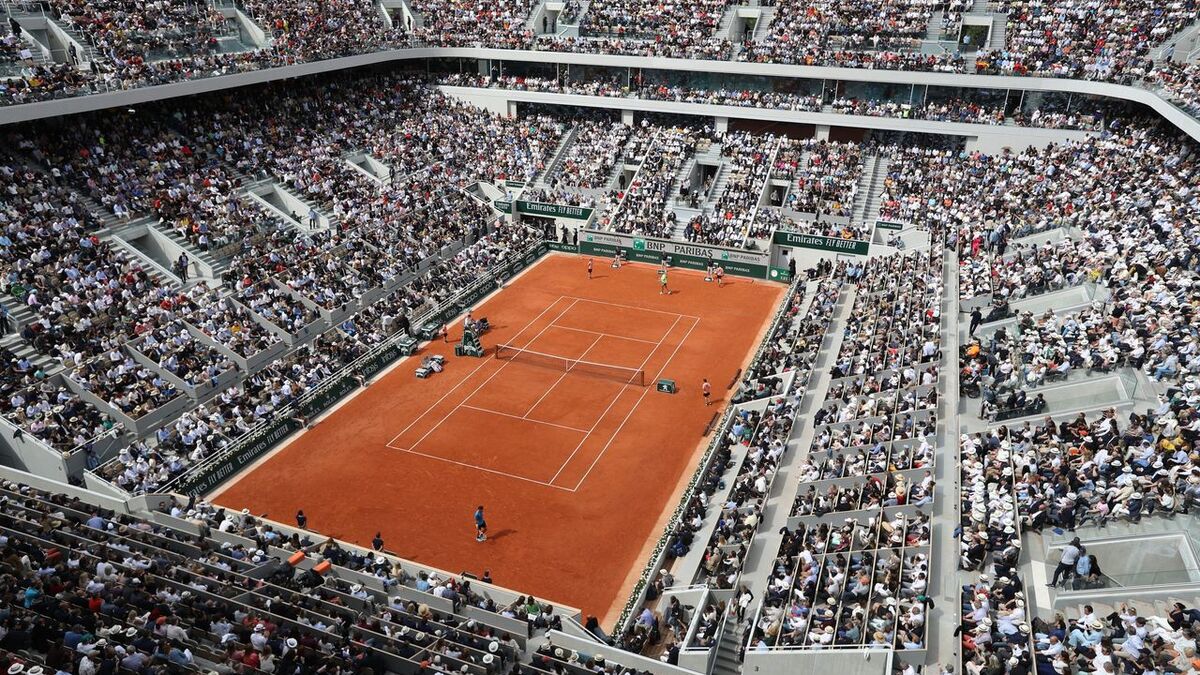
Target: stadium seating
118,45
232,599
854,567
298,231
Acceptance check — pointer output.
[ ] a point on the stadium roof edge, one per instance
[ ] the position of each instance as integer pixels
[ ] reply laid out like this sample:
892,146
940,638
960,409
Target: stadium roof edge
100,101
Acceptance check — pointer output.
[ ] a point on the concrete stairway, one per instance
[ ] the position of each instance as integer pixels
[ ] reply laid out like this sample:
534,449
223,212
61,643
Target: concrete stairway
684,171
999,31
17,311
534,23
725,27
718,188
858,208
727,661
39,57
942,641
155,269
615,174
22,316
874,193
103,214
89,52
683,215
325,208
22,349
1180,46
218,266
934,32
766,17
556,159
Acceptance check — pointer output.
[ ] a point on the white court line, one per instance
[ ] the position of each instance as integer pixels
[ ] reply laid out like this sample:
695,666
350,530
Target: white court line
594,332
492,376
527,419
560,379
617,398
642,309
634,408
483,363
481,468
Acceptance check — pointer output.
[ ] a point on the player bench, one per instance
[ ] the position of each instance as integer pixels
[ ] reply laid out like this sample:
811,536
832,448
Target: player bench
431,364
407,345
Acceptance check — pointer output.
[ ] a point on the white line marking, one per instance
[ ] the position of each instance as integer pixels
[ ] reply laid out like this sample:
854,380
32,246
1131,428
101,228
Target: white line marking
481,468
641,309
634,408
593,332
468,376
527,419
560,378
617,398
492,376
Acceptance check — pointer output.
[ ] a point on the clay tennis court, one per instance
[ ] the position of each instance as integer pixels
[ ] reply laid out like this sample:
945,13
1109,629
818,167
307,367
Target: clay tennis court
577,462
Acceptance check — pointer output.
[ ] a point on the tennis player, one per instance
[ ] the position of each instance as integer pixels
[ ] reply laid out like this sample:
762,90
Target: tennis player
720,276
707,389
590,262
662,283
480,525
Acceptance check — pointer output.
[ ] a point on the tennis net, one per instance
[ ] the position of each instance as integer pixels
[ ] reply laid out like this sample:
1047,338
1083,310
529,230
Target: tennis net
623,374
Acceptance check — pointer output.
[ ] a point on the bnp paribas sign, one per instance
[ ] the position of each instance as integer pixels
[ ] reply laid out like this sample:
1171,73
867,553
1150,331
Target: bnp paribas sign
675,248
837,245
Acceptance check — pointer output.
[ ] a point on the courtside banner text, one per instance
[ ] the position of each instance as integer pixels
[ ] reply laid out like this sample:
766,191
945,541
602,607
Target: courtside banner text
554,210
849,246
682,254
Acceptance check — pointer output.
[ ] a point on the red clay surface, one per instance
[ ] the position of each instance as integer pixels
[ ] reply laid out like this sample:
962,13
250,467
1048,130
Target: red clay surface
576,469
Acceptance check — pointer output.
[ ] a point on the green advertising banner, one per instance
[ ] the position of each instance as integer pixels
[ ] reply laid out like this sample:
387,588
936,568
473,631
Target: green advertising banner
328,396
514,184
563,248
503,206
846,246
889,225
681,254
554,210
380,360
779,274
249,450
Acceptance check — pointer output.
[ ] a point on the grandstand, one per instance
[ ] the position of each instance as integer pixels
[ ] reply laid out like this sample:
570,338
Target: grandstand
770,336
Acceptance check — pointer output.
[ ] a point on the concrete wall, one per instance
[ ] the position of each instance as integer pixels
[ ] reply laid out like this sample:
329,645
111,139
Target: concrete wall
842,662
279,201
161,247
42,483
1143,561
614,655
493,100
152,255
985,137
59,40
30,454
